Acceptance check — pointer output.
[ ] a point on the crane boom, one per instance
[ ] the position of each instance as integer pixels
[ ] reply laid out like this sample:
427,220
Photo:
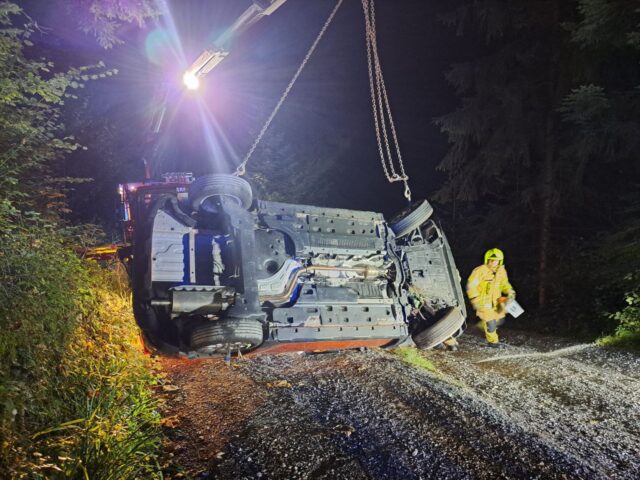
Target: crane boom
211,57
206,61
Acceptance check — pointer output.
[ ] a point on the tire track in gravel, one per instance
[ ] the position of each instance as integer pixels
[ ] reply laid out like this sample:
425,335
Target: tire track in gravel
586,403
392,421
368,415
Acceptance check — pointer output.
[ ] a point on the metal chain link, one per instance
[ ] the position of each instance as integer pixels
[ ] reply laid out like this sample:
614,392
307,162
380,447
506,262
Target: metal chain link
372,88
381,106
241,170
377,72
376,95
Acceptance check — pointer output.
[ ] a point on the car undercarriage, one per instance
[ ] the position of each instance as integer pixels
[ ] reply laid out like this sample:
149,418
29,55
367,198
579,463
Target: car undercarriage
215,272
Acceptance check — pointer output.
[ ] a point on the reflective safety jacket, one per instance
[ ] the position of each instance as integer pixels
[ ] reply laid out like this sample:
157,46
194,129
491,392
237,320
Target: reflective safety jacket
485,287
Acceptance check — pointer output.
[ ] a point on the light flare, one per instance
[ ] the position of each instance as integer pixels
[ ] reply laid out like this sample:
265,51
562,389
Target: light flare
219,147
191,80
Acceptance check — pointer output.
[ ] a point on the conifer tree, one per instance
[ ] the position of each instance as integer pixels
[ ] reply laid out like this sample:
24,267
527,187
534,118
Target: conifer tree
539,119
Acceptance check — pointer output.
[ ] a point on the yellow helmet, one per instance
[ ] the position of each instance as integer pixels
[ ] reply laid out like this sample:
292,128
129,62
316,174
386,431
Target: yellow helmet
494,254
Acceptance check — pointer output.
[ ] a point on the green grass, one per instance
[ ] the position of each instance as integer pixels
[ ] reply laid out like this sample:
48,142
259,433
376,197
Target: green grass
412,356
75,396
623,339
627,334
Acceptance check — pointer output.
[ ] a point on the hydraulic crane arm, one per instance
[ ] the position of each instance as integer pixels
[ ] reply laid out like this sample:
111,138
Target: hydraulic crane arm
210,58
205,62
259,9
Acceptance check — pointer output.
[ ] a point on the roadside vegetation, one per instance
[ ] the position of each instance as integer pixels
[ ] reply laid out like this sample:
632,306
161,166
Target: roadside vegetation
607,299
75,386
627,319
75,396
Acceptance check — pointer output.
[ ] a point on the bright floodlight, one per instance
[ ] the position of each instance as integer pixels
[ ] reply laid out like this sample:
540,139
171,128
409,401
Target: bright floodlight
191,80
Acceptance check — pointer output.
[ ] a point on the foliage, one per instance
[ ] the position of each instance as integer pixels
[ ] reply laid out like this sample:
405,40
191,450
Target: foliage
37,275
32,135
502,160
75,400
590,283
75,397
543,147
608,23
103,18
82,236
627,333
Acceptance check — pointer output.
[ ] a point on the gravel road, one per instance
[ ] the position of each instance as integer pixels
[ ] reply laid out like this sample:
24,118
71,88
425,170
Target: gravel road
542,408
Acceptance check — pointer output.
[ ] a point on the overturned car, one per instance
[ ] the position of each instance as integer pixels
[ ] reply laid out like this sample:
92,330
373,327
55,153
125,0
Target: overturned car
215,271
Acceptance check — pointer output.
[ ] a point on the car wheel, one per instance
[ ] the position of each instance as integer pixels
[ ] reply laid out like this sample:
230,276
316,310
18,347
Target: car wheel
216,337
411,218
448,326
228,186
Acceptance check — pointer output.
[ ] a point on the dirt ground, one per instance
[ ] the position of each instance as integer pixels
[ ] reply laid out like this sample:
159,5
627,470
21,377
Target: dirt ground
541,408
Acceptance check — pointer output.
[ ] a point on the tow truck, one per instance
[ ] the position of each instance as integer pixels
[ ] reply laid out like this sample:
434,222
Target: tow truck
215,271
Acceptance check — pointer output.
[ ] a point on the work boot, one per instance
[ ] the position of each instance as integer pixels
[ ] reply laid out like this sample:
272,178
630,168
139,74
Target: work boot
496,345
452,348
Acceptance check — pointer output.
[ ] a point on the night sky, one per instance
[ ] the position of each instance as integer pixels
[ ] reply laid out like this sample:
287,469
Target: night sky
331,99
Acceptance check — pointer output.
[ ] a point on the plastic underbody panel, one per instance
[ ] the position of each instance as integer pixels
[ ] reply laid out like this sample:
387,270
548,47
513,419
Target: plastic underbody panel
315,278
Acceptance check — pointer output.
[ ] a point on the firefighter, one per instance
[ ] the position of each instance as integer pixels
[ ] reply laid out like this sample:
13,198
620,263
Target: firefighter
485,288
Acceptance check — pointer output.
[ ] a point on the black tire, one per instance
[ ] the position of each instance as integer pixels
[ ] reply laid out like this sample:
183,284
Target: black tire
224,185
401,343
460,330
156,347
218,336
411,218
444,328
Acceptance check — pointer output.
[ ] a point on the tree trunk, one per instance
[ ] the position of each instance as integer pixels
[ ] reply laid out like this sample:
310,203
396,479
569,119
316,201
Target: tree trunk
547,212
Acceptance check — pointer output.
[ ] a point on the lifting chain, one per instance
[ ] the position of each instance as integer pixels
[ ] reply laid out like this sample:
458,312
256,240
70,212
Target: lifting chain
241,170
380,103
379,99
